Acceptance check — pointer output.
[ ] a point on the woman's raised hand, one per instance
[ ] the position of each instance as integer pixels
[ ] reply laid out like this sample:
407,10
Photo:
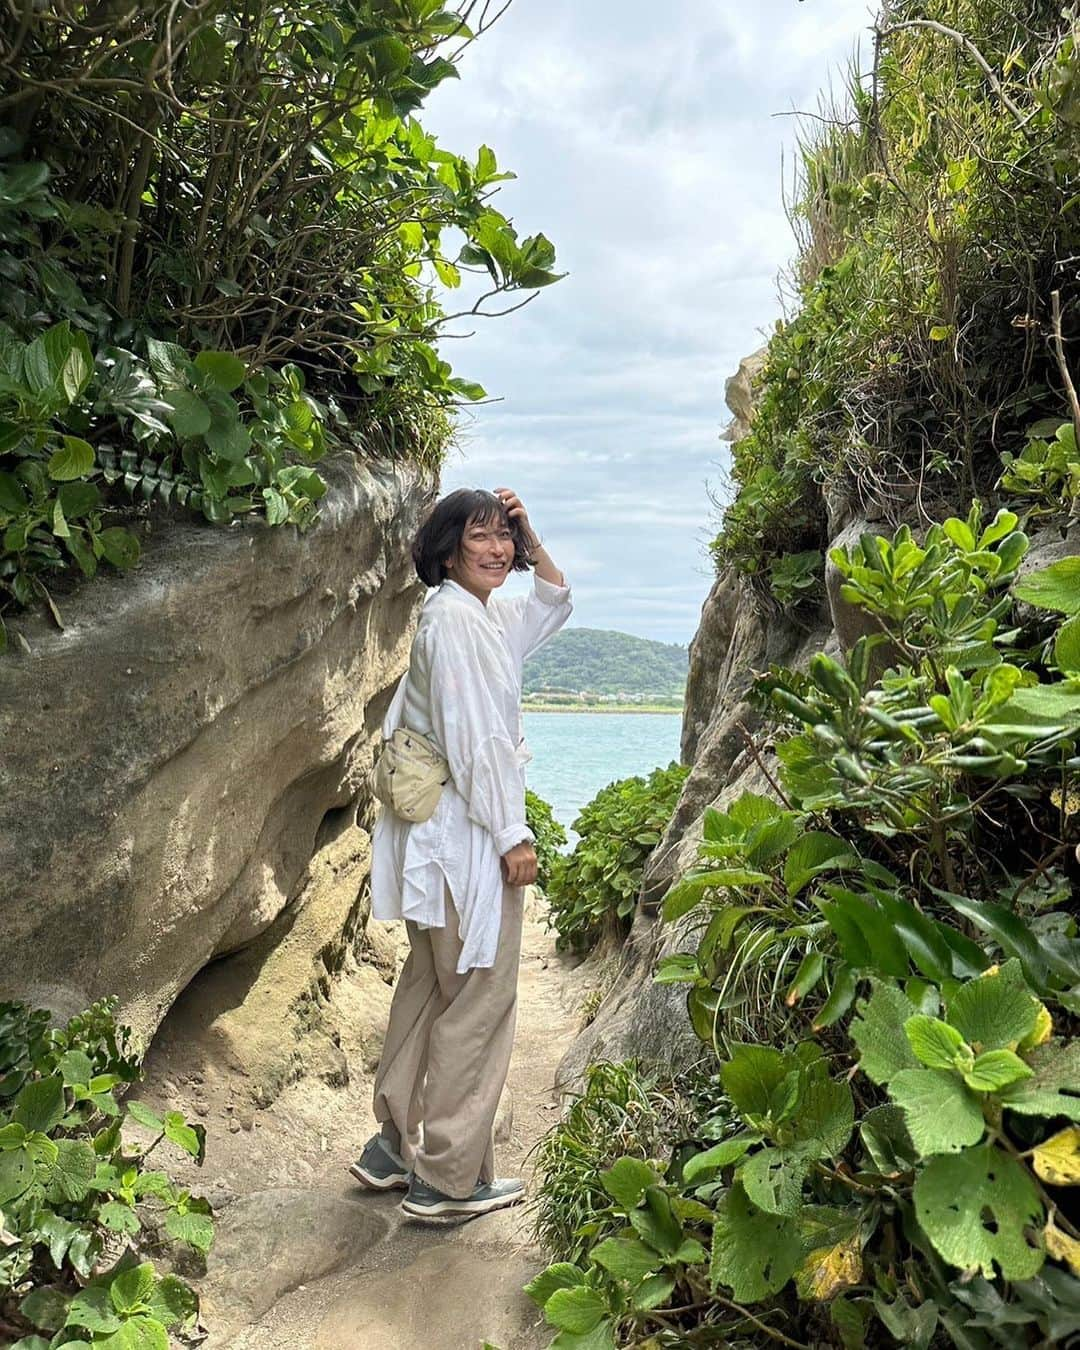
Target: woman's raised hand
516,509
519,865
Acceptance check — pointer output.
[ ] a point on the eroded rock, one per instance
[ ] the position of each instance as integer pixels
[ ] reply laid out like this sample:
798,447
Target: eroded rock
171,757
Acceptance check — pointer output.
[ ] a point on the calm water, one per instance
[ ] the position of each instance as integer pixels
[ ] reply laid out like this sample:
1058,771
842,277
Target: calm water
576,754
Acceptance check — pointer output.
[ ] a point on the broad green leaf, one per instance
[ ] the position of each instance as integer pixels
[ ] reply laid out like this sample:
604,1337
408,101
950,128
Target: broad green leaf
887,1141
994,1070
192,1138
753,1254
118,1217
578,1310
996,1010
1067,645
75,1067
760,1081
825,1118
58,1233
93,1309
936,1044
626,1180
1007,929
277,508
976,1207
75,459
681,968
845,984
1057,1159
169,362
143,1115
137,1333
69,1180
561,1275
879,1033
223,368
132,1287
197,1230
654,1292
813,853
721,1155
627,1258
172,1303
773,1178
941,1114
16,1174
600,1338
684,895
119,546
656,1223
40,1105
1054,1089
59,360
1055,587
46,1308
189,415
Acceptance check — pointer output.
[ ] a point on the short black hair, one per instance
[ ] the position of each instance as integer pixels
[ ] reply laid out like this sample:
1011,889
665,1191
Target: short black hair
441,533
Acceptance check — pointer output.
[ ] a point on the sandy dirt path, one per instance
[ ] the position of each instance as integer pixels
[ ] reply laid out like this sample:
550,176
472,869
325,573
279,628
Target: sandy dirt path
305,1259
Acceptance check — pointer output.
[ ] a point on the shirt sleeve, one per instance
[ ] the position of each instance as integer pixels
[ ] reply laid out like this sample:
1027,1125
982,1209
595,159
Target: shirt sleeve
529,620
474,737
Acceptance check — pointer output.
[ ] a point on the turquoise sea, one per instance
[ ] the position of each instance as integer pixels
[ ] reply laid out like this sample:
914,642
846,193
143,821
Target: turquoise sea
576,754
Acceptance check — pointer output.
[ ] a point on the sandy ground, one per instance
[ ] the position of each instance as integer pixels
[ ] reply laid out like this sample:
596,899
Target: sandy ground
304,1257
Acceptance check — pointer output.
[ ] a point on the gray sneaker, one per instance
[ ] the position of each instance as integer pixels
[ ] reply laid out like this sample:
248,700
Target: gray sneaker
425,1202
379,1167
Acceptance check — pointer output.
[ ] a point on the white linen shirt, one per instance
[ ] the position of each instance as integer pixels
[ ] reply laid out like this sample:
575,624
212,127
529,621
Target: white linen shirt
463,691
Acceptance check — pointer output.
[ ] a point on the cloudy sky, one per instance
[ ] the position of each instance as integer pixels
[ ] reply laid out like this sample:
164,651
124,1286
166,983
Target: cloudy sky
650,143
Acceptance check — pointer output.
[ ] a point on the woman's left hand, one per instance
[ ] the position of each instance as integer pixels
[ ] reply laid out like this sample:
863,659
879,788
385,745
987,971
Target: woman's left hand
516,510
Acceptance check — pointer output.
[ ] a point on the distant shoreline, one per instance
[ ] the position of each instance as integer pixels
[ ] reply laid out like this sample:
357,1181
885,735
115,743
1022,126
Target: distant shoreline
608,708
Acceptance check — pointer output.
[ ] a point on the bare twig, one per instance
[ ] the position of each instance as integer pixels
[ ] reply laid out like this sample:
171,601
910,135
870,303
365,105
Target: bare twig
1063,364
966,43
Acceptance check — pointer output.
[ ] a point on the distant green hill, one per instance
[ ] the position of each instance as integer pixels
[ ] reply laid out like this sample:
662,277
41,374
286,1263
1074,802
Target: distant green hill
604,662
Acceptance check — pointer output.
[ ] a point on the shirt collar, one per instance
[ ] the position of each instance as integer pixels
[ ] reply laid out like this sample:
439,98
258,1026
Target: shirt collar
456,589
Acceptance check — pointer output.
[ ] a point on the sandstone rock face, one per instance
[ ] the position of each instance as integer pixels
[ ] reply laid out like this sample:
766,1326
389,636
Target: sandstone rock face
184,765
740,632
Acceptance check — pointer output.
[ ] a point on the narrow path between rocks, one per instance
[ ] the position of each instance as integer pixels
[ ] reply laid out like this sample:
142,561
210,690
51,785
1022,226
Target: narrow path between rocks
306,1259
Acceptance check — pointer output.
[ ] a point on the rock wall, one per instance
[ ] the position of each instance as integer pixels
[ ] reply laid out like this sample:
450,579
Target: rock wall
185,766
742,631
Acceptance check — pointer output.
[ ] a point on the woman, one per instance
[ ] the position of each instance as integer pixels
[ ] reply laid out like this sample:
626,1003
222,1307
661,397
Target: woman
457,878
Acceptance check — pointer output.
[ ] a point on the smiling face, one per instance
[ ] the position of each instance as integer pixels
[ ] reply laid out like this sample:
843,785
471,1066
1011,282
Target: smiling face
484,557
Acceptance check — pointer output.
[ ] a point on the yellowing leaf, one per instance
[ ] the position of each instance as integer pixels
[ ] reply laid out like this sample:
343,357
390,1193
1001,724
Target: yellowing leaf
827,1271
1061,1247
1057,1160
1041,1032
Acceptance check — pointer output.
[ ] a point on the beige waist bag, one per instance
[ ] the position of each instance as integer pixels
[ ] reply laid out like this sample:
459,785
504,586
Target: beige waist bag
410,775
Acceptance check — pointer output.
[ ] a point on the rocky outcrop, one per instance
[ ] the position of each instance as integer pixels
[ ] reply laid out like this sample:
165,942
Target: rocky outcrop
185,766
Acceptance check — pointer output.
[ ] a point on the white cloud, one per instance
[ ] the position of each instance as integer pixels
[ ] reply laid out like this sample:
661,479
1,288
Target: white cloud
649,150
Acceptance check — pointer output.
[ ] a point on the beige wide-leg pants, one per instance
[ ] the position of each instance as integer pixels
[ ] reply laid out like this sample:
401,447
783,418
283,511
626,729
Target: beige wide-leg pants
447,1053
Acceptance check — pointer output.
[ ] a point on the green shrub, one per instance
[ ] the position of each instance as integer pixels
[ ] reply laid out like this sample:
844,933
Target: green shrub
887,968
935,217
550,835
225,242
594,889
622,1110
78,1204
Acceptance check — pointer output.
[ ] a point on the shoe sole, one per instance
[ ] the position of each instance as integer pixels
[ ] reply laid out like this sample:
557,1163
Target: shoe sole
443,1208
397,1181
